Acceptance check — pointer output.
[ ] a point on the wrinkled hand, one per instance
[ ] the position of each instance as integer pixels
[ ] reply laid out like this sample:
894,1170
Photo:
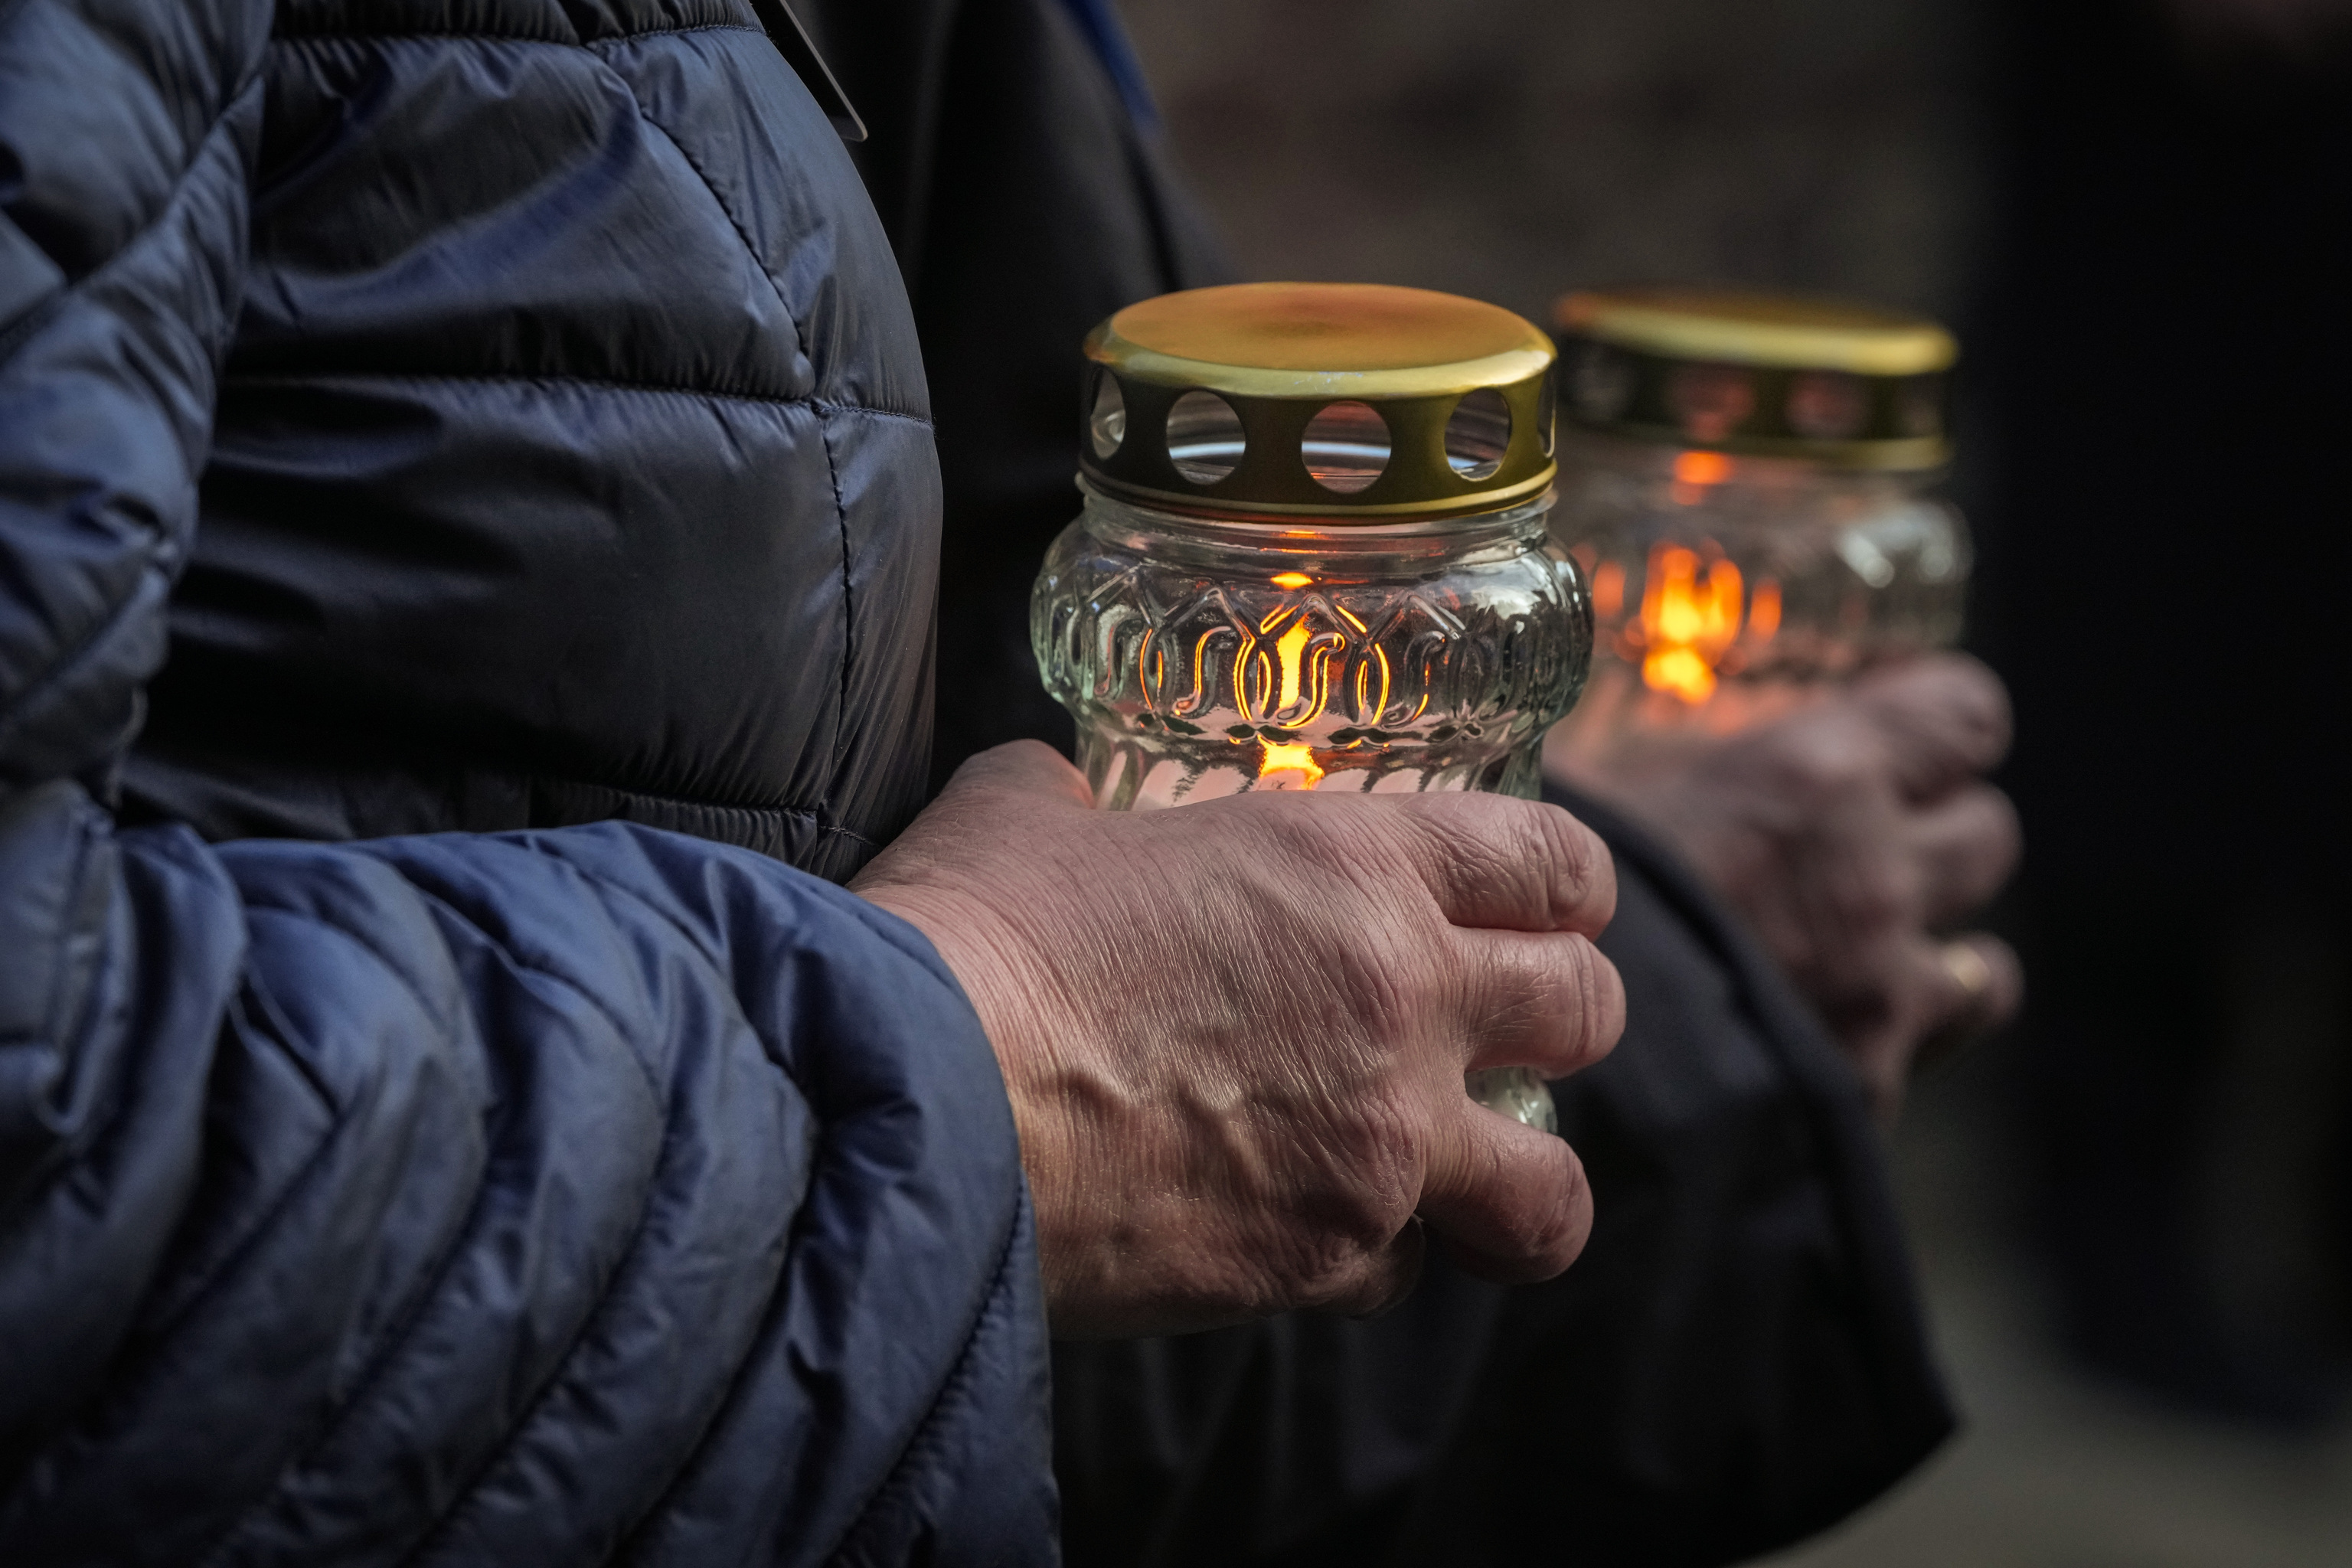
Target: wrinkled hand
1849,835
1234,1033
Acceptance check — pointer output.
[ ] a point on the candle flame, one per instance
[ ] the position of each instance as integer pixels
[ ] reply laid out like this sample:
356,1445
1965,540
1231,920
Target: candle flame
1287,649
1689,618
1702,467
1292,580
1695,472
1290,756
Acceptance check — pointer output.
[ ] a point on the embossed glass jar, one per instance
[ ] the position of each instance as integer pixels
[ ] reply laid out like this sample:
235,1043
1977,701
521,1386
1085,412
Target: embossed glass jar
1314,554
1206,657
1751,483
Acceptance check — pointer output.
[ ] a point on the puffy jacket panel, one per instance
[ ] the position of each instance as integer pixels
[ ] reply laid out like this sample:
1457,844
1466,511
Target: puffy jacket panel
580,1195
558,474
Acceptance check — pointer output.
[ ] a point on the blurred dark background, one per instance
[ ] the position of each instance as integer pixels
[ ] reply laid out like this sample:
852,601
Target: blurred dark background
2133,1210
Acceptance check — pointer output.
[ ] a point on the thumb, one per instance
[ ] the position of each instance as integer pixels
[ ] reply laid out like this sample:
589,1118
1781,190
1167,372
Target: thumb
1030,769
997,796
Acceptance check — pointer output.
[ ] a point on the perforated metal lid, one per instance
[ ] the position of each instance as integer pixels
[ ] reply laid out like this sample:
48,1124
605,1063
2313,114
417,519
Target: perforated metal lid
1346,401
1772,374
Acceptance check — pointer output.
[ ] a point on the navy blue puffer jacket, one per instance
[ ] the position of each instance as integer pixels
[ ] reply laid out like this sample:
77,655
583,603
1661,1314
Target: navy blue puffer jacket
505,416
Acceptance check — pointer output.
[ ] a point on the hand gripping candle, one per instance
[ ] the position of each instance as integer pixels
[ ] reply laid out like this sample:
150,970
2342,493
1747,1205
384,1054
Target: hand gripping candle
1314,556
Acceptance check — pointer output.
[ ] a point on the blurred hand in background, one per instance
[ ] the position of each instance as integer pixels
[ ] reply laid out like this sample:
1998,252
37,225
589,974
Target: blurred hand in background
1853,835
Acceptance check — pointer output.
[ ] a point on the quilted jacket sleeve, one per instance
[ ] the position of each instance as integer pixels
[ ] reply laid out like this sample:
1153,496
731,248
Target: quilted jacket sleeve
566,1198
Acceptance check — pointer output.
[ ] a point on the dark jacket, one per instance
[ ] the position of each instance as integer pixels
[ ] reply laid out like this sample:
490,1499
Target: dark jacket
1736,1362
1738,1358
506,415
1025,203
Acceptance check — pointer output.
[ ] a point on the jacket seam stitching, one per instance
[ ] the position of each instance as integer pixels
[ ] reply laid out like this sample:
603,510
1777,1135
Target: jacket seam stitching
621,41
823,407
848,594
812,815
825,443
297,34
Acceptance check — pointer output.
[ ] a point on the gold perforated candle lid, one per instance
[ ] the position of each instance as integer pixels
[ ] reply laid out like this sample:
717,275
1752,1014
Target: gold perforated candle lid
1831,381
1352,402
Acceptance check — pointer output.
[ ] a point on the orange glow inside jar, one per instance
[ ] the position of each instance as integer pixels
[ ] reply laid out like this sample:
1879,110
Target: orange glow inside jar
1690,617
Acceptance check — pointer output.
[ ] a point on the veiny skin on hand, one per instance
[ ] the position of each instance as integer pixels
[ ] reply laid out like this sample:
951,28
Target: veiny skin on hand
1235,1034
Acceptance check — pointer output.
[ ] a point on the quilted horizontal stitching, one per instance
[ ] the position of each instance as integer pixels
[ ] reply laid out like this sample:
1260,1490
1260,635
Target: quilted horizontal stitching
433,897
396,1334
611,384
693,939
25,327
296,34
623,1269
25,706
198,1286
813,815
800,813
998,1285
163,561
619,40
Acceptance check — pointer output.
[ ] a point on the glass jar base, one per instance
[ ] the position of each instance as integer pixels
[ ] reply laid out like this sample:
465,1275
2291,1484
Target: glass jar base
1519,1093
1138,771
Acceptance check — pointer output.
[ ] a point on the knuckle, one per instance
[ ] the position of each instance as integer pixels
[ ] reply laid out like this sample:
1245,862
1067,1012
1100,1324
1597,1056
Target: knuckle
1372,1158
1832,766
2005,831
1581,875
1462,826
1601,992
1357,1195
1535,1228
1542,1231
1979,699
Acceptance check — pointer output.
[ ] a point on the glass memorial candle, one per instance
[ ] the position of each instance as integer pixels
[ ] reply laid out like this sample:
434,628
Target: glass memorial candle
1314,555
1749,482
